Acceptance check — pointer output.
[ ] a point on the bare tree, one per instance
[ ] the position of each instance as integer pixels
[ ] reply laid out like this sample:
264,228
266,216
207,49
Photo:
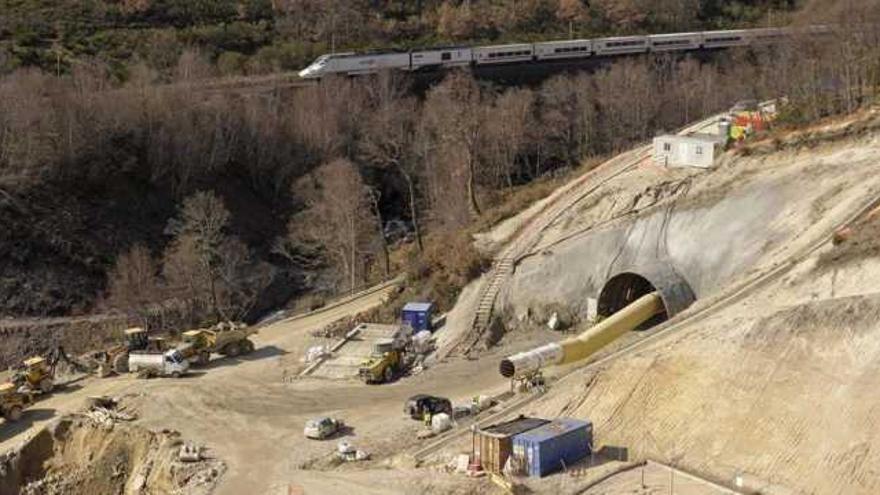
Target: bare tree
133,282
388,140
506,131
339,218
204,262
454,112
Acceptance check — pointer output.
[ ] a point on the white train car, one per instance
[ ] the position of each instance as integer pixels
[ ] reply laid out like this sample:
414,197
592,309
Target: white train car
550,50
620,45
502,54
672,42
724,39
371,63
355,64
445,57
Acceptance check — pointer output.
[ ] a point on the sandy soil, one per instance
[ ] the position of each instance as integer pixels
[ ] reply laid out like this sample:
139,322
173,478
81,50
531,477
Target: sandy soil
250,411
778,386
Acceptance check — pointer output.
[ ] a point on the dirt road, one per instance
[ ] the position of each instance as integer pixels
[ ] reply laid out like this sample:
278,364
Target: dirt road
250,411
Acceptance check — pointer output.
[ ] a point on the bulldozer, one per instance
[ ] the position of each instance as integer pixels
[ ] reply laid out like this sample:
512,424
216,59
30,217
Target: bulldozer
13,402
385,361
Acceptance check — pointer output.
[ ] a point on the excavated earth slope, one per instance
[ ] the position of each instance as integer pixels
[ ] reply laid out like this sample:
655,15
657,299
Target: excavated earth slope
777,385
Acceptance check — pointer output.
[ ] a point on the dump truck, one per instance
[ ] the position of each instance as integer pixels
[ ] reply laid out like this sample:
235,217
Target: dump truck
13,402
198,345
169,363
385,362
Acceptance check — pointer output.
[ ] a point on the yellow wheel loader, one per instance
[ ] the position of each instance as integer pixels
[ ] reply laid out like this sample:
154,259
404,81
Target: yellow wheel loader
384,364
13,402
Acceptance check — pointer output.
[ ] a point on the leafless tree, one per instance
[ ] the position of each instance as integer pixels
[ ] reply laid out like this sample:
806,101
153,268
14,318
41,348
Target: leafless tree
133,282
204,262
339,218
505,133
388,140
454,112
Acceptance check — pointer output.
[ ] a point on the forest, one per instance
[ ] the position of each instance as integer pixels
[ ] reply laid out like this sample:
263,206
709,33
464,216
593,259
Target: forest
247,37
135,195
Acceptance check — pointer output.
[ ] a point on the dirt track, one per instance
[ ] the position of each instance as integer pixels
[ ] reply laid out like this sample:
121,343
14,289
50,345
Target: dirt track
250,411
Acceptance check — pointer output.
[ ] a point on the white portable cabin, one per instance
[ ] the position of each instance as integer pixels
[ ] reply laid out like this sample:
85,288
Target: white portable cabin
500,54
549,50
672,42
446,57
698,150
621,44
721,39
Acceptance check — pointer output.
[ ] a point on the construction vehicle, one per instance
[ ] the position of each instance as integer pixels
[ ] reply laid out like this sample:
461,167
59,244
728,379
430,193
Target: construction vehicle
13,402
37,374
230,341
168,363
116,357
385,362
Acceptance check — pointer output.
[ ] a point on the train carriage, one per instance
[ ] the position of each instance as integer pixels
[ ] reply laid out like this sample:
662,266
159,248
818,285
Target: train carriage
501,54
620,45
673,42
724,39
550,50
441,57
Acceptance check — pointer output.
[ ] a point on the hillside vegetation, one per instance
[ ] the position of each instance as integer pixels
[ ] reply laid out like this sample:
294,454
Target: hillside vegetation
139,196
258,36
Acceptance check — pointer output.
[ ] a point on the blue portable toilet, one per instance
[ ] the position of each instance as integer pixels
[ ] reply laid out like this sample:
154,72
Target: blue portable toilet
549,448
418,316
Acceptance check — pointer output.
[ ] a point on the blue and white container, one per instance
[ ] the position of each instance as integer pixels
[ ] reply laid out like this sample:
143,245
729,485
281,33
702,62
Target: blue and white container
547,449
418,316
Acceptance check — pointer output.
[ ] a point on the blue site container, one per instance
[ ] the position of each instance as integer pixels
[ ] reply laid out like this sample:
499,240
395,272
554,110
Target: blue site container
546,449
417,315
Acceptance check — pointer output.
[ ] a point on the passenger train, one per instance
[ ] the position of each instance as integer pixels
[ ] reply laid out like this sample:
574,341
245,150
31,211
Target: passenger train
457,56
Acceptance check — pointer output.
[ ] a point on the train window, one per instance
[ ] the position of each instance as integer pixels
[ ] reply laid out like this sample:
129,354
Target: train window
446,56
699,150
667,146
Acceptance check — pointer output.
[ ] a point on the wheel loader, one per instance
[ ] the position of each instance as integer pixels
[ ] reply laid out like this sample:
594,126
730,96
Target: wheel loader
13,402
116,357
37,374
385,362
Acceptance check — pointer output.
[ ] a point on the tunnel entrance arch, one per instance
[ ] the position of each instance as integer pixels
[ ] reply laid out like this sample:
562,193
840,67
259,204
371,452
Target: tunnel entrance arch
625,287
621,290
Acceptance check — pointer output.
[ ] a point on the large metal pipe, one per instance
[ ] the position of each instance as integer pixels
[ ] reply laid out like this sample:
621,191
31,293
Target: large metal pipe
587,343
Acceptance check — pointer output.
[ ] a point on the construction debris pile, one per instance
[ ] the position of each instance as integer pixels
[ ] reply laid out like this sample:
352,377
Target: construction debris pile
99,451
